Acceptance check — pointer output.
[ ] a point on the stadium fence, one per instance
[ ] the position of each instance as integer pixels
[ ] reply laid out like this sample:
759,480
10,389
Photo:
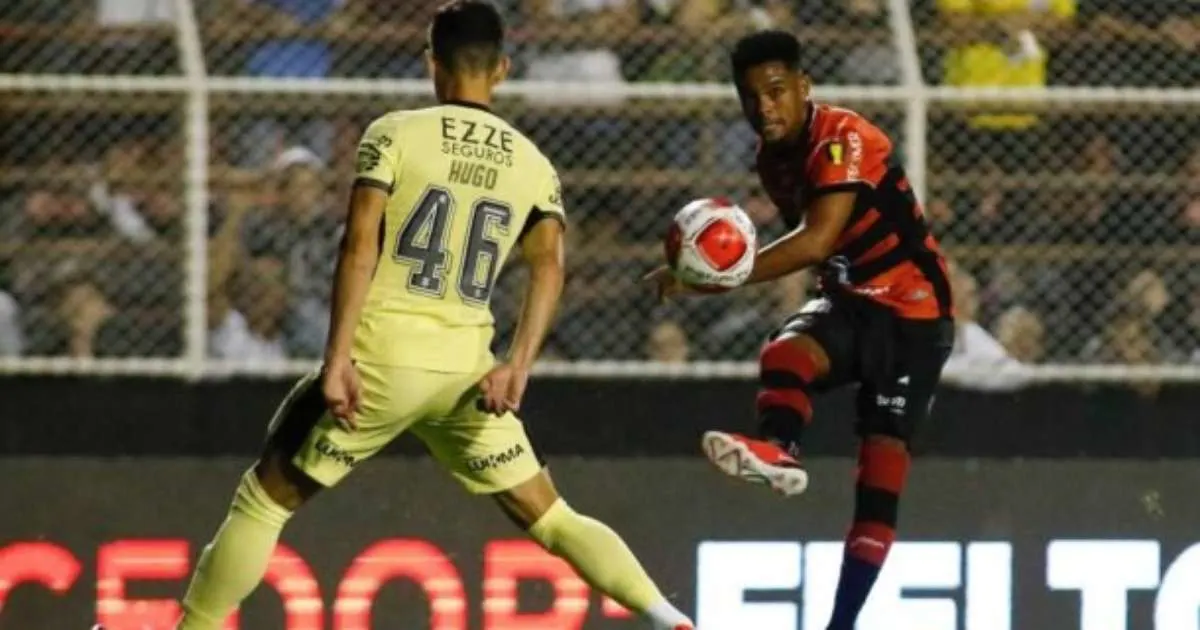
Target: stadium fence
209,121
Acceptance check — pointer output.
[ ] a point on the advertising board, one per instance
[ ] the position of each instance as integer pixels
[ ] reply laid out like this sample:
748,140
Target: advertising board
984,546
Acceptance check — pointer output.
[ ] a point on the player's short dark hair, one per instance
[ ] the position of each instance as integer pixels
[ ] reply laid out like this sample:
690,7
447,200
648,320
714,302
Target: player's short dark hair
467,35
764,47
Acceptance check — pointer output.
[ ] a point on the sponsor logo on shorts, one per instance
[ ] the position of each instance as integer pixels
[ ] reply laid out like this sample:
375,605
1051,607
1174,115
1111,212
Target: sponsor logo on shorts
335,452
894,404
495,460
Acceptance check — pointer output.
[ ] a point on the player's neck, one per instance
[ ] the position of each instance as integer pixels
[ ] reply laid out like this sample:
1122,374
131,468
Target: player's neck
468,92
787,143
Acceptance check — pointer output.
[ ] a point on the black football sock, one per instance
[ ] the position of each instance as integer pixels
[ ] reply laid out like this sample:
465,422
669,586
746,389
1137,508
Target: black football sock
882,470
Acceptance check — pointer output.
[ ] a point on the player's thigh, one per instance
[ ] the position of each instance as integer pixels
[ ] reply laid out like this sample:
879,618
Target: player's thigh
823,328
898,402
308,437
486,453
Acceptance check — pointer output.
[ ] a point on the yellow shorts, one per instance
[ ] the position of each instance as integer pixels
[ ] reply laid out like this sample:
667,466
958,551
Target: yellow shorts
487,453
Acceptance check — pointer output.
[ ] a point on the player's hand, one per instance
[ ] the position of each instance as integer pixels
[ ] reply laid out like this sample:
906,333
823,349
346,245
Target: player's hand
665,284
503,387
342,388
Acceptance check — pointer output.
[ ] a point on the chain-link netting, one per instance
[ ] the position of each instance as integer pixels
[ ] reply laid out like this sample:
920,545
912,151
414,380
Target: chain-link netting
91,214
1080,225
1073,225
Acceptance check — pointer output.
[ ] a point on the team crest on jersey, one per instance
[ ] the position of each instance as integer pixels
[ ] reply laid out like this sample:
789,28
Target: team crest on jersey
369,156
836,152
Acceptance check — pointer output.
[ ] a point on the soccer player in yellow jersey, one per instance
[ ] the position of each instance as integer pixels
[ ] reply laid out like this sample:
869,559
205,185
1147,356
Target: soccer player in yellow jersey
442,196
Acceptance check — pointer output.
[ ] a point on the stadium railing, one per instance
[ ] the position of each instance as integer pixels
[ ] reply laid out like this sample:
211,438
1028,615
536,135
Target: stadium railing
203,112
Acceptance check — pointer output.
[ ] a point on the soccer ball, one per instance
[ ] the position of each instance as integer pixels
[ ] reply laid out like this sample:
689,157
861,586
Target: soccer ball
711,245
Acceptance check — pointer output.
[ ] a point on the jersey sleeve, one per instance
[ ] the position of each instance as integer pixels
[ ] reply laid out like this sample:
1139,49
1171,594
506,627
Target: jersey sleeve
855,155
378,157
549,204
550,201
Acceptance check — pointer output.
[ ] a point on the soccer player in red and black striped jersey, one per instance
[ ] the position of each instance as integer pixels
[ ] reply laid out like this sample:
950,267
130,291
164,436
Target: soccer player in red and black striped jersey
883,319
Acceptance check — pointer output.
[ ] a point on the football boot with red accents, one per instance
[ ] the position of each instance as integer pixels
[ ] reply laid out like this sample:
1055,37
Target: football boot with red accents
756,461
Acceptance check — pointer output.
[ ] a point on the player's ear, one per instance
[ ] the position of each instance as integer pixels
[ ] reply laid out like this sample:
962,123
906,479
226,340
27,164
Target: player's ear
804,83
430,63
502,68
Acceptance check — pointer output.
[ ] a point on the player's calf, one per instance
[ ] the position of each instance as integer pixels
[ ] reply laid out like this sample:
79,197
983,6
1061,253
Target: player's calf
594,550
234,563
883,463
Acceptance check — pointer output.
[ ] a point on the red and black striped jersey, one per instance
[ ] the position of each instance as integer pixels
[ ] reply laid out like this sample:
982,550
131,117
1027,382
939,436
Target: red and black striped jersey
891,256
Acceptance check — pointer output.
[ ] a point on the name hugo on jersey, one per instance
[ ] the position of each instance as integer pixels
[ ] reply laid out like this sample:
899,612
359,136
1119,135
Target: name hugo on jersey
473,174
478,141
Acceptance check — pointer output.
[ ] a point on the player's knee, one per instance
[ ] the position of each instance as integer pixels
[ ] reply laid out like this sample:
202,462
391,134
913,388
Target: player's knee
796,359
283,483
548,529
251,499
885,441
526,503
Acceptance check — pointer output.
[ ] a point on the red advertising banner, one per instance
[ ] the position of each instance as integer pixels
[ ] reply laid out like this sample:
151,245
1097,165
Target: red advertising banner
927,585
506,563
984,546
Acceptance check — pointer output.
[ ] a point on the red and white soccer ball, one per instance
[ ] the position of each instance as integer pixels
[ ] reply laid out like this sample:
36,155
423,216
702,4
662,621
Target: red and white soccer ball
711,245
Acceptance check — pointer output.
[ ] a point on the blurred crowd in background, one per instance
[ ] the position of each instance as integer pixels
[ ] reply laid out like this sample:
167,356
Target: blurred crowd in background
1073,227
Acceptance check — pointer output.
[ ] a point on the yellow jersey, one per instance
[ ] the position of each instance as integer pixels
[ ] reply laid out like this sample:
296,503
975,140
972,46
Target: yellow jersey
462,185
990,64
1060,8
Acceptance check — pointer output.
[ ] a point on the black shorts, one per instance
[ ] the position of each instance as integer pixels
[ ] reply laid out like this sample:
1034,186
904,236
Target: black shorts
896,362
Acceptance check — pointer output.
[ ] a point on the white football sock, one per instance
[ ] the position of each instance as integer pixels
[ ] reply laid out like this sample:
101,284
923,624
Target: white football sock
664,616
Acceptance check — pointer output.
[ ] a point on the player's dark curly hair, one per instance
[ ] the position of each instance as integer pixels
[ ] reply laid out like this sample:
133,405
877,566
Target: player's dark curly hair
467,36
764,47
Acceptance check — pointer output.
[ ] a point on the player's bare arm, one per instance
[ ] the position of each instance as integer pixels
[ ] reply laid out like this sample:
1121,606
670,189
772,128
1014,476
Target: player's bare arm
809,245
356,262
798,250
543,250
